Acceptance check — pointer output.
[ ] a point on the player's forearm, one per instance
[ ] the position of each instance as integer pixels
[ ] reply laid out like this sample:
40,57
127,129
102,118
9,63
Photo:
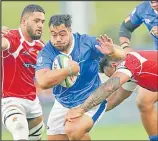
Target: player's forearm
124,40
117,98
101,93
51,78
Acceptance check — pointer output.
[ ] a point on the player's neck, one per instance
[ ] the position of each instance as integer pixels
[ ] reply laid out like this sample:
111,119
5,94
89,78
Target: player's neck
25,35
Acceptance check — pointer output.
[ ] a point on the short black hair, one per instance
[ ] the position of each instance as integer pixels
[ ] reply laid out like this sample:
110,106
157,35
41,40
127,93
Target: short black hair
104,62
32,8
57,20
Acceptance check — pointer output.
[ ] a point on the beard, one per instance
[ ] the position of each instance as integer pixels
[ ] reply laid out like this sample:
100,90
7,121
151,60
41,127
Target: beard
32,35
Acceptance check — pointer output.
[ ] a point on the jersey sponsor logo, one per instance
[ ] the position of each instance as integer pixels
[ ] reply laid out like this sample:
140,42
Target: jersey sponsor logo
28,65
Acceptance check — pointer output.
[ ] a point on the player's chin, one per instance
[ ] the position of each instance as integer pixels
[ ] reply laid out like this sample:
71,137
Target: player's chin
61,48
37,37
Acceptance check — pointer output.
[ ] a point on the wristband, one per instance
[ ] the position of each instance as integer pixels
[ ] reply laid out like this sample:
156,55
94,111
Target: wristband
125,45
70,70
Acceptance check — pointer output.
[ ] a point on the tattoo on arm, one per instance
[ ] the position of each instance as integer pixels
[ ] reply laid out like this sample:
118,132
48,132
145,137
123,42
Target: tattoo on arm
101,93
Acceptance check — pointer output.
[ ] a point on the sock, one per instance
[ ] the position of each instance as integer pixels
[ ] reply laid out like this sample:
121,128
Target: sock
153,138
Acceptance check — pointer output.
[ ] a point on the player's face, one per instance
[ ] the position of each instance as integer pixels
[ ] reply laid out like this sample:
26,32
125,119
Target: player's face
35,24
61,37
154,5
109,70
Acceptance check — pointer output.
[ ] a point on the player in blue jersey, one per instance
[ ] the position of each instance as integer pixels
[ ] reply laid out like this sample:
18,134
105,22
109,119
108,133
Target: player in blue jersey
85,60
147,13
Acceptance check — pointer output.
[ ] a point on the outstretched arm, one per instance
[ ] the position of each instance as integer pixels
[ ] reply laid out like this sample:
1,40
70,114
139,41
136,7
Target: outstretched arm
105,90
99,95
107,47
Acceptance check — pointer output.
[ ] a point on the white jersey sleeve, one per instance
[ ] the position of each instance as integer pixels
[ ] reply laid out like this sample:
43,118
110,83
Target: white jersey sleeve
129,85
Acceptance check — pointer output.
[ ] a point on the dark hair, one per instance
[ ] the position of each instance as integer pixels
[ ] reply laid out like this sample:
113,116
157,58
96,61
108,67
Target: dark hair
32,8
104,62
57,20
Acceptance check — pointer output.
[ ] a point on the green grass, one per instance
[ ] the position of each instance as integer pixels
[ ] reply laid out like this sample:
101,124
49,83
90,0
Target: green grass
114,132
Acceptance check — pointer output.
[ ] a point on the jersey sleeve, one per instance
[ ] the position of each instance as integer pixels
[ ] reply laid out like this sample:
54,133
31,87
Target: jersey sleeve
135,16
13,41
122,68
44,60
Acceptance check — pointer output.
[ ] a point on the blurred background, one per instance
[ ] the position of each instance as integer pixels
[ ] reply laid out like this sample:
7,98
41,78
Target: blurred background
94,18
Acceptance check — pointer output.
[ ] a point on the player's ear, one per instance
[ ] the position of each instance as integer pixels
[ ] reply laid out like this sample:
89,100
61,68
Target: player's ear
114,65
70,29
23,21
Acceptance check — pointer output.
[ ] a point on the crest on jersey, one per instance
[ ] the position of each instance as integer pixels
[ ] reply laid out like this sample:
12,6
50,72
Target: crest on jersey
147,21
40,61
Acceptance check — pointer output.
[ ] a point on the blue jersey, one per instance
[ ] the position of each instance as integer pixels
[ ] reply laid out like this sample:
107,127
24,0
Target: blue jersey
87,81
144,13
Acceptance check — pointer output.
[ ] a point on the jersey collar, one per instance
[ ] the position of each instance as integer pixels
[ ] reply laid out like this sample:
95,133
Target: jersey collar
23,39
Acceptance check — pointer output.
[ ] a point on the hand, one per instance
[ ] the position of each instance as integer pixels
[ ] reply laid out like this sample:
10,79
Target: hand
106,45
154,31
73,114
74,67
4,30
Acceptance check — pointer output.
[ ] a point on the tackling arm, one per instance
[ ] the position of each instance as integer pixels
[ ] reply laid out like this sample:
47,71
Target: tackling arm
117,98
105,90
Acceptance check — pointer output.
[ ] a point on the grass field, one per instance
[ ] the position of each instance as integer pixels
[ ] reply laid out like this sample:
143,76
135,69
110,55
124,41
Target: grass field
114,132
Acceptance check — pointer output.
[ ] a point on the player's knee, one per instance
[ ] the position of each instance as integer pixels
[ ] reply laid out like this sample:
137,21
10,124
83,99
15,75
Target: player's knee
36,132
73,133
15,121
143,105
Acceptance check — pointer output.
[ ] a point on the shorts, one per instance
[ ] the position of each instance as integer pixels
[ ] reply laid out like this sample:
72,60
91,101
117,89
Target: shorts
55,124
31,109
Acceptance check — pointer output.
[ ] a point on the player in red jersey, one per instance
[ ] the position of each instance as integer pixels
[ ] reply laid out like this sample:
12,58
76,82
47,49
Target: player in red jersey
140,67
21,109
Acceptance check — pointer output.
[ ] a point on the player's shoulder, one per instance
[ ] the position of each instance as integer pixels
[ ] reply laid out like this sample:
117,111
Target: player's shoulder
40,43
85,38
13,32
143,6
47,49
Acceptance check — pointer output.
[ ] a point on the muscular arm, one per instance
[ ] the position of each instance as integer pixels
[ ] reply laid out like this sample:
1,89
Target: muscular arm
117,98
49,78
125,33
101,93
105,90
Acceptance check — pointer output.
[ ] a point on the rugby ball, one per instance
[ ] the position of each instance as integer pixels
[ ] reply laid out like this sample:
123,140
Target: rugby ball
59,62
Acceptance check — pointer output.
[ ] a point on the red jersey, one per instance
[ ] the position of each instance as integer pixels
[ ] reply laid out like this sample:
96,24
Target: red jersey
18,66
143,68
